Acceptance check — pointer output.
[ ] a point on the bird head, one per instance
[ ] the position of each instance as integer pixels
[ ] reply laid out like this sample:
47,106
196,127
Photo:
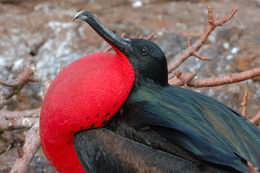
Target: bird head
147,58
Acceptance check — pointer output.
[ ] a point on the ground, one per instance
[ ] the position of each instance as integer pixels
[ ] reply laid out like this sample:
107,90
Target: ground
44,33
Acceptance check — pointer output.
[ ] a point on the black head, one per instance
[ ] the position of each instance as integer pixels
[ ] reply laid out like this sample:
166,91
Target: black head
147,58
148,61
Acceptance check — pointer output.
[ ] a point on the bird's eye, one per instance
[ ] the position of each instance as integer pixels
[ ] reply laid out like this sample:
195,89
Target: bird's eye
144,51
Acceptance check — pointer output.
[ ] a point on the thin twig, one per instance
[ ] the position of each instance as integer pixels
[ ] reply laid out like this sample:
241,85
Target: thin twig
216,81
212,24
32,143
252,169
195,54
46,85
25,76
173,74
185,78
149,37
15,86
244,104
20,114
256,119
62,65
2,99
16,123
31,146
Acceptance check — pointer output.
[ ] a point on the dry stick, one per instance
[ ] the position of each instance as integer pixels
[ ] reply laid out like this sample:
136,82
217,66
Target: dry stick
46,85
27,75
194,53
31,146
252,169
244,104
16,123
212,24
173,74
149,37
255,120
19,114
62,65
32,143
20,151
185,78
2,99
216,81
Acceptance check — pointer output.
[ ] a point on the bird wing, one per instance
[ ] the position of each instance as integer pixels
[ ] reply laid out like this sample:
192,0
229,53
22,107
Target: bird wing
201,125
102,150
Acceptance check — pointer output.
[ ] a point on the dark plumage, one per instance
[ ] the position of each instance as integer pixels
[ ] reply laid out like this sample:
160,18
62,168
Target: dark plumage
116,150
206,128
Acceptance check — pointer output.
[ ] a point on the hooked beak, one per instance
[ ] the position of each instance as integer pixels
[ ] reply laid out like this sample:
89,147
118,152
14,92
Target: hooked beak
122,44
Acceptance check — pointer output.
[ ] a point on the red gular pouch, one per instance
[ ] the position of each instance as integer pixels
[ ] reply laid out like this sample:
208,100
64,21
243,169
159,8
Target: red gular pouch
84,95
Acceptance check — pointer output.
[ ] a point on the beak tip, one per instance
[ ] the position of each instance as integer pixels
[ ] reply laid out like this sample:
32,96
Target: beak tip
78,15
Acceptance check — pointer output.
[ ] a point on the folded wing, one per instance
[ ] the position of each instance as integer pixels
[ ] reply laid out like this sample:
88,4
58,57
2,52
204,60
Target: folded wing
201,125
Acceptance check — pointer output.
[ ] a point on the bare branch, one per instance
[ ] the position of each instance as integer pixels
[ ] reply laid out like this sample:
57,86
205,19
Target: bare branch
109,48
27,75
149,37
62,65
2,99
46,85
20,152
212,24
20,114
32,143
210,16
222,21
204,58
216,81
16,123
252,169
255,120
244,104
195,54
183,79
175,73
31,146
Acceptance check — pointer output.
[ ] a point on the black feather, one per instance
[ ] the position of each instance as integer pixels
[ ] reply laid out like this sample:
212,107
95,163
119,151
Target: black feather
102,150
201,125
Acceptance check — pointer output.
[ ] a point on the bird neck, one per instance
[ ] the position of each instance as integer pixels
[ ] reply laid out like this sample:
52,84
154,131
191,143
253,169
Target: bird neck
145,82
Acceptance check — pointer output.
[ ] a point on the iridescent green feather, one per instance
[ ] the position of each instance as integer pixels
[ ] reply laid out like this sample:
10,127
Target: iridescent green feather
205,127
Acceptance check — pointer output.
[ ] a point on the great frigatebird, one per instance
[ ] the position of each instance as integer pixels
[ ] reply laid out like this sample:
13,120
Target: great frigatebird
204,128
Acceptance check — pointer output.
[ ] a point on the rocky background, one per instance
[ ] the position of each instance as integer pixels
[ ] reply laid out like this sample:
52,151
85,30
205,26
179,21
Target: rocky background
43,32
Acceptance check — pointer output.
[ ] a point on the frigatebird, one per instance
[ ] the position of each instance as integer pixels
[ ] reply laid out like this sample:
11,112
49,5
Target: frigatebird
78,101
